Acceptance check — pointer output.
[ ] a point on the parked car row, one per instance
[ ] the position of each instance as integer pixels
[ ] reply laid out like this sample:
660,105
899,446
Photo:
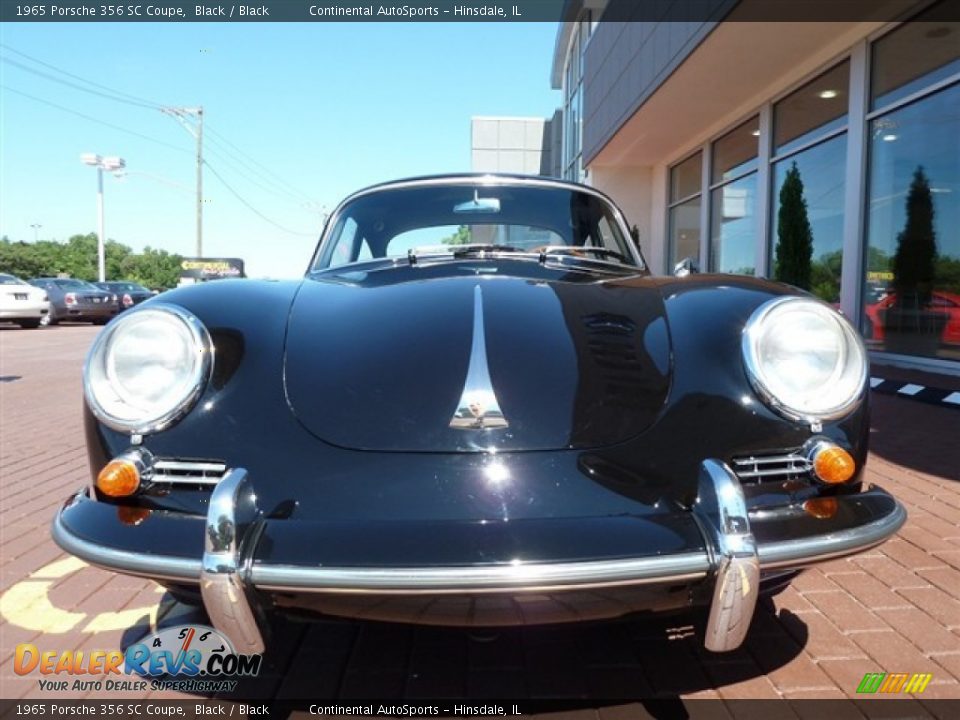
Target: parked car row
49,300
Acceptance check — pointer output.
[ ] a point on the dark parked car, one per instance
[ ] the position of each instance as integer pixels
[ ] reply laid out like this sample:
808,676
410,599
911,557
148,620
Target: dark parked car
477,408
78,300
128,294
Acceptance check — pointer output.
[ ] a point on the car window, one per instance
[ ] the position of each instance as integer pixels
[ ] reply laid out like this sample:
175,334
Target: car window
392,221
70,284
10,280
518,236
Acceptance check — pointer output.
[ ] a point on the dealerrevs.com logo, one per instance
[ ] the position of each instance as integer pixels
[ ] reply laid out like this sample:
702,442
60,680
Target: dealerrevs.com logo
891,683
188,658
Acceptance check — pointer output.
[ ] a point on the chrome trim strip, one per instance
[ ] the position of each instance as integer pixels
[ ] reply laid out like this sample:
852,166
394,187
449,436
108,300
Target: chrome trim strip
231,511
496,578
189,466
478,408
163,567
184,479
770,459
722,512
803,552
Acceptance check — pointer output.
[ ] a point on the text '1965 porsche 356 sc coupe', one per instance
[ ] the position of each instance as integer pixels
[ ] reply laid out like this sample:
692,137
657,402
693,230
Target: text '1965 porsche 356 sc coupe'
477,408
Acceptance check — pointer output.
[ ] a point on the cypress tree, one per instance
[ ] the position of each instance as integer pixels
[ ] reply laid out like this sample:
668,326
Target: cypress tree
914,264
794,251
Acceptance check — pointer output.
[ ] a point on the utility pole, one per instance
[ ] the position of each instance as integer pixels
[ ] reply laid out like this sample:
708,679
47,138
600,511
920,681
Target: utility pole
196,130
200,182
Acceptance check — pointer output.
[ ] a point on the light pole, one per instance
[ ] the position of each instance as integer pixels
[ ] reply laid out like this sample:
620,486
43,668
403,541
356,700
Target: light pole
36,227
110,164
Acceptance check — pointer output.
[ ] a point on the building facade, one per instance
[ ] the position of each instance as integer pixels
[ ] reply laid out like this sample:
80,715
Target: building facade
826,154
529,146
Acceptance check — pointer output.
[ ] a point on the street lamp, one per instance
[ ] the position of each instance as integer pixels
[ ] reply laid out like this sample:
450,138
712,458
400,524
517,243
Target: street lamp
36,227
109,164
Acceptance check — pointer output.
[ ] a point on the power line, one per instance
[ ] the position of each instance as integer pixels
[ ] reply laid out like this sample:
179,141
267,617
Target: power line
129,99
132,98
261,166
251,207
93,119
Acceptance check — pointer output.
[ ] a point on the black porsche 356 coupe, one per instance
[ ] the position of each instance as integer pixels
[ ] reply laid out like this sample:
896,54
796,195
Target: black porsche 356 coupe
477,408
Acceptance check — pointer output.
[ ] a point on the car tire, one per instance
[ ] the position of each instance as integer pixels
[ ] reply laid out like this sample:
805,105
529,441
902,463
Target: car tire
48,319
30,324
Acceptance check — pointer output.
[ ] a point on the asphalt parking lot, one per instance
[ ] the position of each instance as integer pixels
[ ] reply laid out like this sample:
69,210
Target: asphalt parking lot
894,609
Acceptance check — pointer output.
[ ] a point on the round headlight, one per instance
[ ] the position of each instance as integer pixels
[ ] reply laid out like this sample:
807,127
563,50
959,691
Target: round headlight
147,368
804,359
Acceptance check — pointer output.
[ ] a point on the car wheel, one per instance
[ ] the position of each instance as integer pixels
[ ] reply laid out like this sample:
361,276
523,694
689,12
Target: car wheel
30,324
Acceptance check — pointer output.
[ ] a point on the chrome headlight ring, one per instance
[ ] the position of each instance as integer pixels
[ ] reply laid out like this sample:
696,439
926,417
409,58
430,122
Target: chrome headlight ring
804,359
147,369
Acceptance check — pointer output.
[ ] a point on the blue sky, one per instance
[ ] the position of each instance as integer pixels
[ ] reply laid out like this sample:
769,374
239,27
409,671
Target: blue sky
327,107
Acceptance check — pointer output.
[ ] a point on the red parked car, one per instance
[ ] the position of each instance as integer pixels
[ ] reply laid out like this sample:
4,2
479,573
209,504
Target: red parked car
942,303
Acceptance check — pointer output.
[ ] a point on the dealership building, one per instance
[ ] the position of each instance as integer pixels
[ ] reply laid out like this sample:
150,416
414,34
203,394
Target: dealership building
726,139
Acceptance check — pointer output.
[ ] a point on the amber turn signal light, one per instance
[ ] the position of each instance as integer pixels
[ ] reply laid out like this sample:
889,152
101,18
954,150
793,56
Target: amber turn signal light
120,478
833,464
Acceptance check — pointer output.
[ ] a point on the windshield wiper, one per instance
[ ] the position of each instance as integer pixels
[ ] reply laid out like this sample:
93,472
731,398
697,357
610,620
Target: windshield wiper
459,251
579,250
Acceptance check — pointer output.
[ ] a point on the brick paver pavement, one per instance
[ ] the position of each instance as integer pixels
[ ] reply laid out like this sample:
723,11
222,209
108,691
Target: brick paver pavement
896,608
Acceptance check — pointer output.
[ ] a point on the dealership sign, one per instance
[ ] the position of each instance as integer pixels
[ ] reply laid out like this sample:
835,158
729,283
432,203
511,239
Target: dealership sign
211,268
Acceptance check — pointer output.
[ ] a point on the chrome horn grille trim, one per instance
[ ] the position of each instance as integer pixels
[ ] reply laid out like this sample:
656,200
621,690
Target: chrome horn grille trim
187,472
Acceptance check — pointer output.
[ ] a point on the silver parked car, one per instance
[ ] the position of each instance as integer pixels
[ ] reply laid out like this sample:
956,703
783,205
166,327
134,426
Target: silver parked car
22,303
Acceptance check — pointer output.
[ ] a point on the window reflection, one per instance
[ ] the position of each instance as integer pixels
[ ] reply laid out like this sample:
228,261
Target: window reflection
736,152
685,177
818,107
808,196
733,227
685,232
915,55
912,280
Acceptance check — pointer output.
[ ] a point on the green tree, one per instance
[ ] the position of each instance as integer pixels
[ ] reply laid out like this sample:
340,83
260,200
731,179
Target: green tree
152,268
915,261
825,276
794,251
460,237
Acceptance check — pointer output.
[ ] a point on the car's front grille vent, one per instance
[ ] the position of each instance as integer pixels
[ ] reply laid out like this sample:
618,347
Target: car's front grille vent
761,468
187,472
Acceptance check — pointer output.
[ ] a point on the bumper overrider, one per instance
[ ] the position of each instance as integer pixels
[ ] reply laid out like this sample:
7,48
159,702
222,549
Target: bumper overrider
737,547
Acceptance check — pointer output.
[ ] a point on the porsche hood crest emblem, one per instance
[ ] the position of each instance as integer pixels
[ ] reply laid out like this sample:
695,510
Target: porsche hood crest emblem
478,408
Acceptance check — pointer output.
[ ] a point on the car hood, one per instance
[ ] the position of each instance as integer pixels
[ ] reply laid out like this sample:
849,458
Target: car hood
474,363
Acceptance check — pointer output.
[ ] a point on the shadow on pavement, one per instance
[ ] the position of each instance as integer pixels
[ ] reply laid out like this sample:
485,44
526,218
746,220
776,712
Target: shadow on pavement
915,435
632,660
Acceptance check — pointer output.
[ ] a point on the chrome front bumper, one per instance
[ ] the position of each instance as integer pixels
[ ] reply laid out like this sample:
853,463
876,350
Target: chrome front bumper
733,559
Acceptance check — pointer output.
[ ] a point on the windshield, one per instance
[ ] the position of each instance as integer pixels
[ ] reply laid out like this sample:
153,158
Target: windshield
524,219
10,280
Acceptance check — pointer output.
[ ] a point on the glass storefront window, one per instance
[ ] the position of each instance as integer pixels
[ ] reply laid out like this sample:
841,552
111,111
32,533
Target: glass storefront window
685,177
818,107
736,152
912,269
685,232
807,218
915,55
733,226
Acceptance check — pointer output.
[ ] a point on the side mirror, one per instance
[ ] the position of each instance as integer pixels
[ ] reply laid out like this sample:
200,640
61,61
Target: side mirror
687,266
